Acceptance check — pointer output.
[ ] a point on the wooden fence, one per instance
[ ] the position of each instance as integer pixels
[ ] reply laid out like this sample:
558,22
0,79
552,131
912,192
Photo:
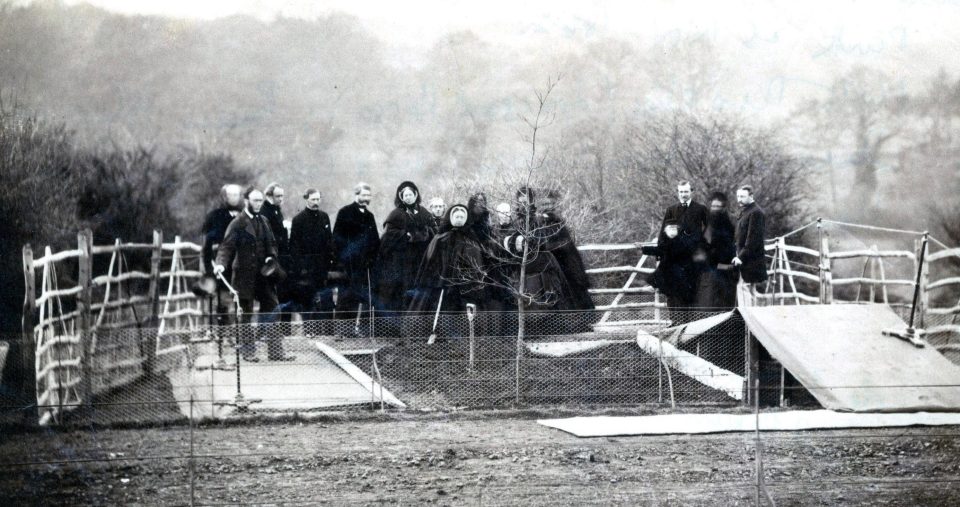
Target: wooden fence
78,337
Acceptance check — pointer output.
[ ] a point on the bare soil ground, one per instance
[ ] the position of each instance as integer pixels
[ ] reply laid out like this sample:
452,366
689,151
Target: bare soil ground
483,458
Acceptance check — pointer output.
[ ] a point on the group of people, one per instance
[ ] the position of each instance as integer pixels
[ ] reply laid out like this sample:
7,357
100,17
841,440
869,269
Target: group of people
465,257
708,262
427,261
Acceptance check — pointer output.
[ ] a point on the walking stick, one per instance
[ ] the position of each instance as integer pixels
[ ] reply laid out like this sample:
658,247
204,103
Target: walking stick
242,404
436,317
471,312
370,301
356,324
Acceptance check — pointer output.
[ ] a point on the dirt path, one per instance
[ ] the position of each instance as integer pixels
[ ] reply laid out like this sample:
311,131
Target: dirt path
485,461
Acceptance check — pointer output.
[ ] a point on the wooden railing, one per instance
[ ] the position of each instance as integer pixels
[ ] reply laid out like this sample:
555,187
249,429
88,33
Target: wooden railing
75,335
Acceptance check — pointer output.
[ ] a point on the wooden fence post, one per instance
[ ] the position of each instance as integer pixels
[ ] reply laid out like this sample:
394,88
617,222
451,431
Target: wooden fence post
826,277
84,317
28,371
924,300
154,296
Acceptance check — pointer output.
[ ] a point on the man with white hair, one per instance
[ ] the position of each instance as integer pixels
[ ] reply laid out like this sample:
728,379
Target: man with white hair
437,207
214,227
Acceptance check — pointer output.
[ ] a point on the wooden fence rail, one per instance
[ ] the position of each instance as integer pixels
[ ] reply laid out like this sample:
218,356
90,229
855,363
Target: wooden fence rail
66,330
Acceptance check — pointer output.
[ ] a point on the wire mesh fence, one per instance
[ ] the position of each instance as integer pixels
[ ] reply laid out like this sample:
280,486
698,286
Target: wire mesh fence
177,384
445,361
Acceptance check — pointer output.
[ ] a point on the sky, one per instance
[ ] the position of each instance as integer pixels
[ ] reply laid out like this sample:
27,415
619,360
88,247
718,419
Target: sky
853,25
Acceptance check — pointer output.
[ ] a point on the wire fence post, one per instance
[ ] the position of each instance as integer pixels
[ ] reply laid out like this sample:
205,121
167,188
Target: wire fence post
191,471
758,456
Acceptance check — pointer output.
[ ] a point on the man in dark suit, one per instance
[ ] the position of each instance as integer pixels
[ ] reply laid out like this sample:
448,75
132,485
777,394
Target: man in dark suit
273,212
681,233
214,227
749,241
311,246
356,241
247,246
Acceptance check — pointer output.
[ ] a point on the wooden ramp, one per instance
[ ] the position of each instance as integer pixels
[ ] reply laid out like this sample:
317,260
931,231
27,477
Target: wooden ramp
838,353
319,378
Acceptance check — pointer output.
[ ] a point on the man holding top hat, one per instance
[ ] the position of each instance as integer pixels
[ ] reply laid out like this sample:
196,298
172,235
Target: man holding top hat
250,249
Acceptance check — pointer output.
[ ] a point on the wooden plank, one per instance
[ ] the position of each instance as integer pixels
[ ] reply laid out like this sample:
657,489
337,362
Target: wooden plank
619,269
109,305
788,295
943,282
129,275
186,273
181,313
944,311
47,296
794,273
946,328
182,245
868,280
871,253
943,254
630,290
55,257
698,369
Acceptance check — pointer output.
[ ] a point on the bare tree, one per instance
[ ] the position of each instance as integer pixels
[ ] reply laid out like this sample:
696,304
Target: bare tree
861,115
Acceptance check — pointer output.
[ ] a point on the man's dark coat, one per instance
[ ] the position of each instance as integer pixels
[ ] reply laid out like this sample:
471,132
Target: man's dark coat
311,246
749,241
355,238
274,216
676,274
246,244
214,228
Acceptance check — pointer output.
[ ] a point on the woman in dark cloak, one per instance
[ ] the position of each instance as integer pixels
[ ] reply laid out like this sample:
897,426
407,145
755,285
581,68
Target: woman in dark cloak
451,274
717,288
406,234
480,216
556,238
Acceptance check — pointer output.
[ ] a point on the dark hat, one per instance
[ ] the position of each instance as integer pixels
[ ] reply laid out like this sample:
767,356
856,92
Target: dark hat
206,286
271,269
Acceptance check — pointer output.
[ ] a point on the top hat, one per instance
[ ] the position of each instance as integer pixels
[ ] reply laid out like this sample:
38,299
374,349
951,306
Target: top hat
206,286
271,269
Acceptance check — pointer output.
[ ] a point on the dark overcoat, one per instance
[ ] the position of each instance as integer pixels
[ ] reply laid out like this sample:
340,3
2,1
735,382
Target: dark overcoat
406,235
718,279
749,242
676,273
274,216
311,245
214,228
453,265
356,239
247,243
556,239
